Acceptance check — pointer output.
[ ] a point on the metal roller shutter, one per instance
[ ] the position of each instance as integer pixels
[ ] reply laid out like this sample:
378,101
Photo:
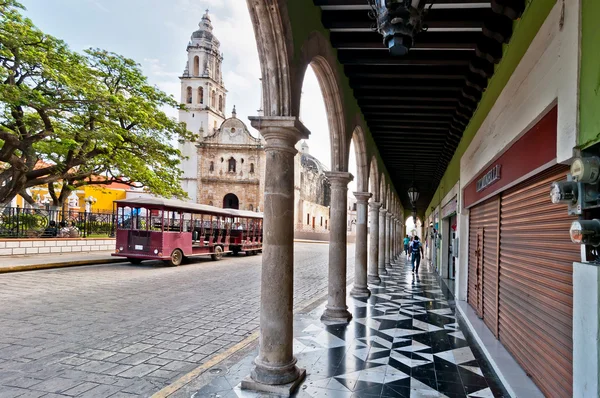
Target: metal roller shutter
483,260
536,287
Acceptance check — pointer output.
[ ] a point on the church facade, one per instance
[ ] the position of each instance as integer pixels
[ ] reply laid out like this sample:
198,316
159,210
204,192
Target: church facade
225,167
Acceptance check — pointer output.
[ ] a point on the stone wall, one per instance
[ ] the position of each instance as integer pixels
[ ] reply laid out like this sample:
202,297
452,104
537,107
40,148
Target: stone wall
13,247
217,182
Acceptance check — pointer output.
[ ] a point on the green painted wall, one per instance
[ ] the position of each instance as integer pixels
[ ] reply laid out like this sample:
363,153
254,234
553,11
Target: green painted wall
589,83
524,31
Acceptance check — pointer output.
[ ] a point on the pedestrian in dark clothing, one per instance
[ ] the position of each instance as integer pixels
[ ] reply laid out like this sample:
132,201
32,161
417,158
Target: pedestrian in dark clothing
416,250
51,231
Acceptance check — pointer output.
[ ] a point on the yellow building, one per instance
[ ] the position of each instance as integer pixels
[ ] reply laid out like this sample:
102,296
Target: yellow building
102,197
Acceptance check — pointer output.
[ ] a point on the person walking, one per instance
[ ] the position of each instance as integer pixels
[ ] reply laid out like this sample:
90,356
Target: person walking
406,242
416,250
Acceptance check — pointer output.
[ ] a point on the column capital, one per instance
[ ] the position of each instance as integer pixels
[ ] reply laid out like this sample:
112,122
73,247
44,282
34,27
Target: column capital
389,214
280,132
382,211
339,178
362,197
375,205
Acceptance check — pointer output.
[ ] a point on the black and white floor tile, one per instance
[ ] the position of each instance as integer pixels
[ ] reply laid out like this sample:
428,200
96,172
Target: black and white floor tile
404,341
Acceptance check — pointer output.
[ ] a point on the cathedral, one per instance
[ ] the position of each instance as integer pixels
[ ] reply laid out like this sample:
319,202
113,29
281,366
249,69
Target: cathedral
226,166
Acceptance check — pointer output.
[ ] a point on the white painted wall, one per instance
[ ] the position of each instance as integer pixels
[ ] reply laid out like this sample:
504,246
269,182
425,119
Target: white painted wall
586,330
445,229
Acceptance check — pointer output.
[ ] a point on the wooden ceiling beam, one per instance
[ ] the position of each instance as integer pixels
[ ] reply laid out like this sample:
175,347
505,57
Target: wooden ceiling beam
425,40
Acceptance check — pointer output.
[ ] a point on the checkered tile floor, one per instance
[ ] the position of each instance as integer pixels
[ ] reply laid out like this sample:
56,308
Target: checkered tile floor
404,341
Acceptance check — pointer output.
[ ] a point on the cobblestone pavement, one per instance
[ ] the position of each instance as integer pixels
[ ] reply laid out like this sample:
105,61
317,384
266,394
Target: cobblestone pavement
124,331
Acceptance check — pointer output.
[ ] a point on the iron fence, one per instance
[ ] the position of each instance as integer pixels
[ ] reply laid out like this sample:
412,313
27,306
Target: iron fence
16,222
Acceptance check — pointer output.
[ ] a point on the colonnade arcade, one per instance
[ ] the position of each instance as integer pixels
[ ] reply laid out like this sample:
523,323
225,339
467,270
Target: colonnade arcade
283,64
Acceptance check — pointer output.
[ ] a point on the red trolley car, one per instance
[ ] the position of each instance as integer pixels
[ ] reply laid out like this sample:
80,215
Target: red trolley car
171,230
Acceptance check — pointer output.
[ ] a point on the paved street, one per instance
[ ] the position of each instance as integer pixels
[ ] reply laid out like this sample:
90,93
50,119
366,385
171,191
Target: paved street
120,330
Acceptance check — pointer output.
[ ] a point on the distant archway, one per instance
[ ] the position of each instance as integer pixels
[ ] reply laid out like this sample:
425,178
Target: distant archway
230,201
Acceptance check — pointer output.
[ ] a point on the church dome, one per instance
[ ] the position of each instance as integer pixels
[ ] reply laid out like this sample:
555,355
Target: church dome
206,28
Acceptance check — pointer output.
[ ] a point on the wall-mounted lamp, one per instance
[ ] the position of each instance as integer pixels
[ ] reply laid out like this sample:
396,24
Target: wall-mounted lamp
586,232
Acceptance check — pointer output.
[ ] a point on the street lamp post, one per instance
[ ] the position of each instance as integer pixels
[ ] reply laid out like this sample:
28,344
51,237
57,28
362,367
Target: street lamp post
89,201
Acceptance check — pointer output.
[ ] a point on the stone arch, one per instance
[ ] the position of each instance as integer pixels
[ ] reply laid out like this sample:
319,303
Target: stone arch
374,179
360,147
188,96
196,66
200,95
274,42
317,52
382,191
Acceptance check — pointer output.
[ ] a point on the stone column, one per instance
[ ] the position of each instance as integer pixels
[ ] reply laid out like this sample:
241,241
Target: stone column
381,259
275,367
373,276
336,310
360,288
393,241
396,240
388,227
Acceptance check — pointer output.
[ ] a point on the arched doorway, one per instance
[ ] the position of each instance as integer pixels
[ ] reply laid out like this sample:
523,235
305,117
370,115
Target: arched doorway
230,201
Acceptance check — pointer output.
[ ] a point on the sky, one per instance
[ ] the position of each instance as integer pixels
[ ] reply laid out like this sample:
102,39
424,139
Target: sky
155,33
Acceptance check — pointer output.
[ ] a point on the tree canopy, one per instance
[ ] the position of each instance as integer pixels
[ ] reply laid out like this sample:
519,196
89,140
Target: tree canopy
68,117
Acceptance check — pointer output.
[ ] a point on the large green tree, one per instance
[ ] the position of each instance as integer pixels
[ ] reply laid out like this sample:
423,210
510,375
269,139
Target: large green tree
69,118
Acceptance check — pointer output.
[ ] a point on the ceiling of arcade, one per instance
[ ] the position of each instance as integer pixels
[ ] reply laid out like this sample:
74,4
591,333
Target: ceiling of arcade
417,106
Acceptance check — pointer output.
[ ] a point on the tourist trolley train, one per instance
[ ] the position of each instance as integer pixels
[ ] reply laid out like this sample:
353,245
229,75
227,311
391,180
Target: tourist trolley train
171,230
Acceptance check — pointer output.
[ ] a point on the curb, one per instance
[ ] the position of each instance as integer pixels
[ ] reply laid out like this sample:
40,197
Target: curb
64,264
325,242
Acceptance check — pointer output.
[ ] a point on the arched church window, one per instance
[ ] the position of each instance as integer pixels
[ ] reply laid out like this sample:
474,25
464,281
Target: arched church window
232,164
251,208
213,99
196,66
189,95
211,167
251,167
220,103
200,95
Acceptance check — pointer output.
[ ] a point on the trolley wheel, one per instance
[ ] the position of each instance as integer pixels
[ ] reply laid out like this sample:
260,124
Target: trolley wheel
176,258
135,261
218,253
248,252
236,251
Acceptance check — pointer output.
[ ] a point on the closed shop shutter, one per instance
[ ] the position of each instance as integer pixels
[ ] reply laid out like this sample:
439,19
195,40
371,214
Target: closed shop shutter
536,287
483,260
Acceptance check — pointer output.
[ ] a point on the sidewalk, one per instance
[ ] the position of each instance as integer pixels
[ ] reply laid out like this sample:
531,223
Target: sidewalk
404,341
55,260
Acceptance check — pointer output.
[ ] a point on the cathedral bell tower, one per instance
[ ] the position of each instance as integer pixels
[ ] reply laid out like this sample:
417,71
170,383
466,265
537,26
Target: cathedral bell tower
203,94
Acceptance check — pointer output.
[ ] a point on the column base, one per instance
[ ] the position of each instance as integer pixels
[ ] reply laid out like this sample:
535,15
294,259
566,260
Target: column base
373,280
336,315
284,390
382,271
388,266
358,291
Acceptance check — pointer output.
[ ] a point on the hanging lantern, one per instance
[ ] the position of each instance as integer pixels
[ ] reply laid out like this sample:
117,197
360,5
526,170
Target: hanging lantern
398,21
413,195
